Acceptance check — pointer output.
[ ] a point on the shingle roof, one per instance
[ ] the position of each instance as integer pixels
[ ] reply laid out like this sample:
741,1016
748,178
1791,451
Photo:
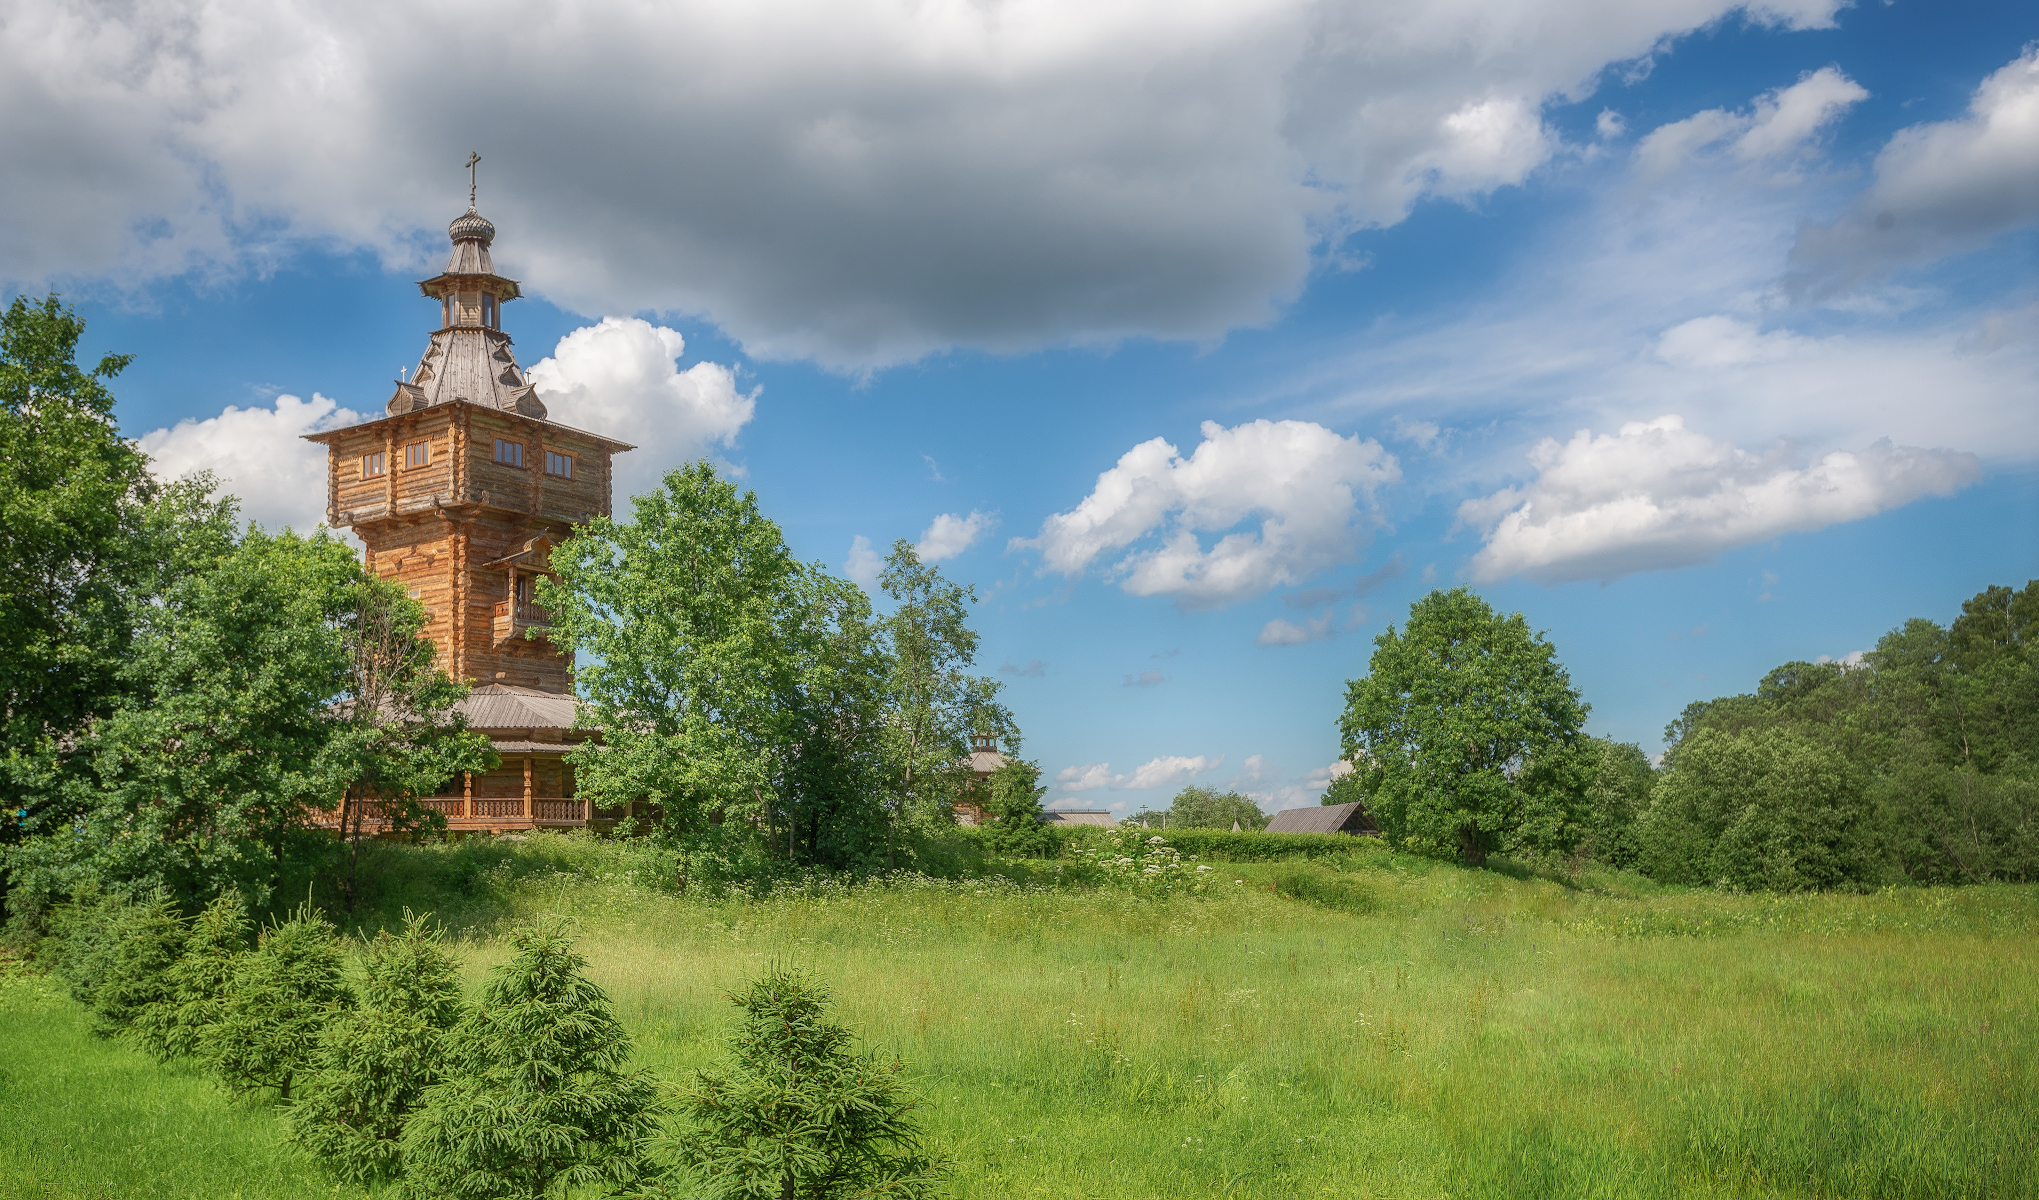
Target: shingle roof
1324,818
508,706
1078,816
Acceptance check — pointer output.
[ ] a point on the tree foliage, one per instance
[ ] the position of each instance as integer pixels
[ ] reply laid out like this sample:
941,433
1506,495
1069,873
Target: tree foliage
1452,710
280,999
375,1062
1208,808
796,1112
535,1100
754,703
1012,798
179,1023
1915,764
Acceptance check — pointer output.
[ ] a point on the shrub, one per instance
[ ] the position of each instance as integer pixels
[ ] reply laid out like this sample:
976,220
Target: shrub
1133,858
797,1112
1212,845
144,941
1015,800
375,1062
196,984
278,1001
534,1100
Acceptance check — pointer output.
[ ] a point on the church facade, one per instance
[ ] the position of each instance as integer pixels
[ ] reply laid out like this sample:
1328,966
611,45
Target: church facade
459,492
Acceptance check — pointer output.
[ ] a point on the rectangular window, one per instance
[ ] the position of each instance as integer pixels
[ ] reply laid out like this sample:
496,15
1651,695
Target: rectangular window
372,465
509,453
559,464
417,454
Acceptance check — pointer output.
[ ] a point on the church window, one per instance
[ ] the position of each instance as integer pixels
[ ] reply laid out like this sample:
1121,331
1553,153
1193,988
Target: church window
372,465
559,464
509,453
417,454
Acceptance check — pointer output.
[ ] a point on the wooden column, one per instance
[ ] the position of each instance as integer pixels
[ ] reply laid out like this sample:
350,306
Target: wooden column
527,787
467,793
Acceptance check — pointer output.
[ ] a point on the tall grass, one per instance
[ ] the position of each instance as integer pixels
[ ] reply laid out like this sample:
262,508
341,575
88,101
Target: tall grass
1396,1027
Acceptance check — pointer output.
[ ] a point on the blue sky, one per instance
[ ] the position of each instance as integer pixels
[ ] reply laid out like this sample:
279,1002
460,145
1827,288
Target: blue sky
1702,334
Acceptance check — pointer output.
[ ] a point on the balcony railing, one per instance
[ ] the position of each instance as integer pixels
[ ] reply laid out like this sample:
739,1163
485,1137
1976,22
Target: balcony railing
513,617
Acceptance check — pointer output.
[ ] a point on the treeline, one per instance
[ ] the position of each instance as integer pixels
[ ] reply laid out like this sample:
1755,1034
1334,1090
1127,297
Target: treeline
189,706
1917,764
388,1075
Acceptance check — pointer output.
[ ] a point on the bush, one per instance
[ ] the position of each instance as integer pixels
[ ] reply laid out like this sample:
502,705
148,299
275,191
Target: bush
797,1112
196,985
376,1061
535,1100
1762,810
279,1000
1131,857
1212,845
144,941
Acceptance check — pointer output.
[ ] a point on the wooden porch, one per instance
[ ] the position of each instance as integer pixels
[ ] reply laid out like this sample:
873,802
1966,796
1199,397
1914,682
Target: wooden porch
483,810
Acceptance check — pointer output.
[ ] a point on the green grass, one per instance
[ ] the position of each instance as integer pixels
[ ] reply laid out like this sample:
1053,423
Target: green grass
1371,1025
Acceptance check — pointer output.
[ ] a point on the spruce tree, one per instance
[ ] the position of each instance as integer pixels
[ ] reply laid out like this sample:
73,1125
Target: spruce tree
175,1025
535,1100
280,999
797,1113
143,944
375,1062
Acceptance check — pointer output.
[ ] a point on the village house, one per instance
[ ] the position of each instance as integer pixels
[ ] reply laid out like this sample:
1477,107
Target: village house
459,493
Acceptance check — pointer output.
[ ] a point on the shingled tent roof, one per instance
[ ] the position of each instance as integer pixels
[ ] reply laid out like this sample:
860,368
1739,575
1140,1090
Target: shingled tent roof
1325,818
508,706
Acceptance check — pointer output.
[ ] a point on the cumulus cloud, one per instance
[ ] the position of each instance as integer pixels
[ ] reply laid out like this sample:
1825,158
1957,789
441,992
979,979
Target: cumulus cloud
1164,771
1657,495
1087,778
949,535
1940,188
859,181
1310,490
259,454
863,564
1779,123
1279,632
622,375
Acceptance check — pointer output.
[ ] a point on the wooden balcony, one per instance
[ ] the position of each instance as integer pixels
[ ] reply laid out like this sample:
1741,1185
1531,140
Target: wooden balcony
513,617
497,814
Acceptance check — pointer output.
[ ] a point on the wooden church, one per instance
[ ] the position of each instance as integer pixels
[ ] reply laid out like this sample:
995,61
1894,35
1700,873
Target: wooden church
459,493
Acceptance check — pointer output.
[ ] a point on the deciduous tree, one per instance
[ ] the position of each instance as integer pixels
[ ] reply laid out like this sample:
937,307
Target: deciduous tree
1451,710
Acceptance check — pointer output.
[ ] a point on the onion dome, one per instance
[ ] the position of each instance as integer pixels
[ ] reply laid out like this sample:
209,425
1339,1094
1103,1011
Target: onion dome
472,226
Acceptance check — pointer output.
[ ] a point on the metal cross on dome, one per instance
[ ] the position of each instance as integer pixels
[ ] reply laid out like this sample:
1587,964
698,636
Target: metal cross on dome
472,158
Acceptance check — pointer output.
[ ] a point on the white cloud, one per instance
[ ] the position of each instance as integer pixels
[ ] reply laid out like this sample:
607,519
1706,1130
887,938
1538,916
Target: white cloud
1086,778
1310,489
1279,632
1780,123
1146,679
1034,669
1720,341
1301,792
864,564
860,181
621,377
1940,188
1164,771
259,454
1255,771
949,535
1609,124
1657,495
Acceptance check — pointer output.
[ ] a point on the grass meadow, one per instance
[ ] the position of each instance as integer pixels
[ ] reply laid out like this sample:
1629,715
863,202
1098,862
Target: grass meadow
1371,1026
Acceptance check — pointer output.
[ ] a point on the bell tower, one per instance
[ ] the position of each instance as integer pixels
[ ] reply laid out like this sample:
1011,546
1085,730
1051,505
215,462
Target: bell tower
463,487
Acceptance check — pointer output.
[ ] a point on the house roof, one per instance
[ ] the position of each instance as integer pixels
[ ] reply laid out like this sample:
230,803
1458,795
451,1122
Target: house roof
1079,816
984,762
509,706
1324,818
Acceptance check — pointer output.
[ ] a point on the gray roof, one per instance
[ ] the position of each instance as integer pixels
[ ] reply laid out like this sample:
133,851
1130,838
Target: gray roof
1324,818
984,762
508,706
1078,816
